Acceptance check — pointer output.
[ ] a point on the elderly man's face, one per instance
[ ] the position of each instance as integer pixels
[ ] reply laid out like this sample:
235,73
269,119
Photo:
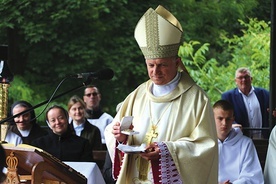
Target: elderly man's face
162,70
243,81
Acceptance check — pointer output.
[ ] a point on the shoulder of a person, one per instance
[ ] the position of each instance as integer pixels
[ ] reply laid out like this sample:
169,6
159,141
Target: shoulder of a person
107,115
246,140
42,139
89,126
272,136
257,89
141,87
230,91
11,133
36,127
139,91
13,127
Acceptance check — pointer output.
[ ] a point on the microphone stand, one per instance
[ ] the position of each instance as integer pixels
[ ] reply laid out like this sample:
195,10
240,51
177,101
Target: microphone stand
46,101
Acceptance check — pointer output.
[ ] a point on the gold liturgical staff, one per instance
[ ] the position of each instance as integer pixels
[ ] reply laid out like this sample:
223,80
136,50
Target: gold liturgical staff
5,78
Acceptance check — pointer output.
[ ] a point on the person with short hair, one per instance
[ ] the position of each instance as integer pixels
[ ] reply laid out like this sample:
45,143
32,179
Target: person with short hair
94,113
238,159
250,104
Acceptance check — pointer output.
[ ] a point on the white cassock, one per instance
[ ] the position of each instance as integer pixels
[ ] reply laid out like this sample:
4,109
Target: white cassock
270,163
238,160
101,123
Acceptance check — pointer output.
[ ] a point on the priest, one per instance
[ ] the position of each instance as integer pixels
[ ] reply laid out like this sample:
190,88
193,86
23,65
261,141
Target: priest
172,114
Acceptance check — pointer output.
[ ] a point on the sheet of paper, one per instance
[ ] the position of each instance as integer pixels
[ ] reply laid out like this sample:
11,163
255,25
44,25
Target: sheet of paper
131,148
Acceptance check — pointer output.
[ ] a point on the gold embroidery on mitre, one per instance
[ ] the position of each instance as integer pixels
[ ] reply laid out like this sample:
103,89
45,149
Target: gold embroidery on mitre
154,26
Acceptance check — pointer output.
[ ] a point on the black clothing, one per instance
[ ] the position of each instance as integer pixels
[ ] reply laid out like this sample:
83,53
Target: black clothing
91,133
67,147
94,114
107,170
36,132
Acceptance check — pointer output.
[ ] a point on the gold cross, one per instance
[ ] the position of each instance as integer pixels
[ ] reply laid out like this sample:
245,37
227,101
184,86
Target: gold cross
143,164
152,134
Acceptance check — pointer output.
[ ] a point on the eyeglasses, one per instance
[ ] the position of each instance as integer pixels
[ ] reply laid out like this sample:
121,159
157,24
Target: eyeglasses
93,94
243,77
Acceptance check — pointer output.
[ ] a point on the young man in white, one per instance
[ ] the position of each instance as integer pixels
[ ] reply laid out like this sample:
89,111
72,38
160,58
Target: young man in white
238,159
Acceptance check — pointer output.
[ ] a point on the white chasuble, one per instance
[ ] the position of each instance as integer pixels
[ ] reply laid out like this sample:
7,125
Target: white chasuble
186,128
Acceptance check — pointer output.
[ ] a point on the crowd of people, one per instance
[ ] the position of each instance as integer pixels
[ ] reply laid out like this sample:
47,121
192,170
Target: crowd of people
188,140
73,133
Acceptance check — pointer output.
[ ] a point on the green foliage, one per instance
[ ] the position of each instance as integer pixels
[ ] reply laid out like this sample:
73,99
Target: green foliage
203,71
50,39
204,20
20,90
249,50
252,50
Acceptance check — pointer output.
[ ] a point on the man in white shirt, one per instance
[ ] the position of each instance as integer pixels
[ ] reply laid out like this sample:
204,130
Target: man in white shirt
238,159
250,104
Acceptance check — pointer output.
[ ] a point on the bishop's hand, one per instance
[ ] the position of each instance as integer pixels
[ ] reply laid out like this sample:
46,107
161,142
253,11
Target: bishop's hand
117,133
151,153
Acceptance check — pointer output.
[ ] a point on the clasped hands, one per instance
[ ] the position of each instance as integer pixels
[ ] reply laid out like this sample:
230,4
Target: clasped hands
151,151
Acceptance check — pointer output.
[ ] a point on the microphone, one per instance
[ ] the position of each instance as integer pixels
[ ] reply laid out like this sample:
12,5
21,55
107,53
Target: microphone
104,74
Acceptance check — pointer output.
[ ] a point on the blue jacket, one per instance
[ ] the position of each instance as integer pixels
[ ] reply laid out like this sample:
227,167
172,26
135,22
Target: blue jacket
240,112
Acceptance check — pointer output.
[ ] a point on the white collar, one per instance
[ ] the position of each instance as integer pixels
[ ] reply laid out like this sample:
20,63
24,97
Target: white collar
25,133
161,90
75,125
250,92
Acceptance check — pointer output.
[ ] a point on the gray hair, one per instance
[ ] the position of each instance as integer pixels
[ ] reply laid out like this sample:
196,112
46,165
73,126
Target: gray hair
243,70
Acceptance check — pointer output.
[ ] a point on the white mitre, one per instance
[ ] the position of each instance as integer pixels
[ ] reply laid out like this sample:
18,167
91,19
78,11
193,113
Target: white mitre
158,33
